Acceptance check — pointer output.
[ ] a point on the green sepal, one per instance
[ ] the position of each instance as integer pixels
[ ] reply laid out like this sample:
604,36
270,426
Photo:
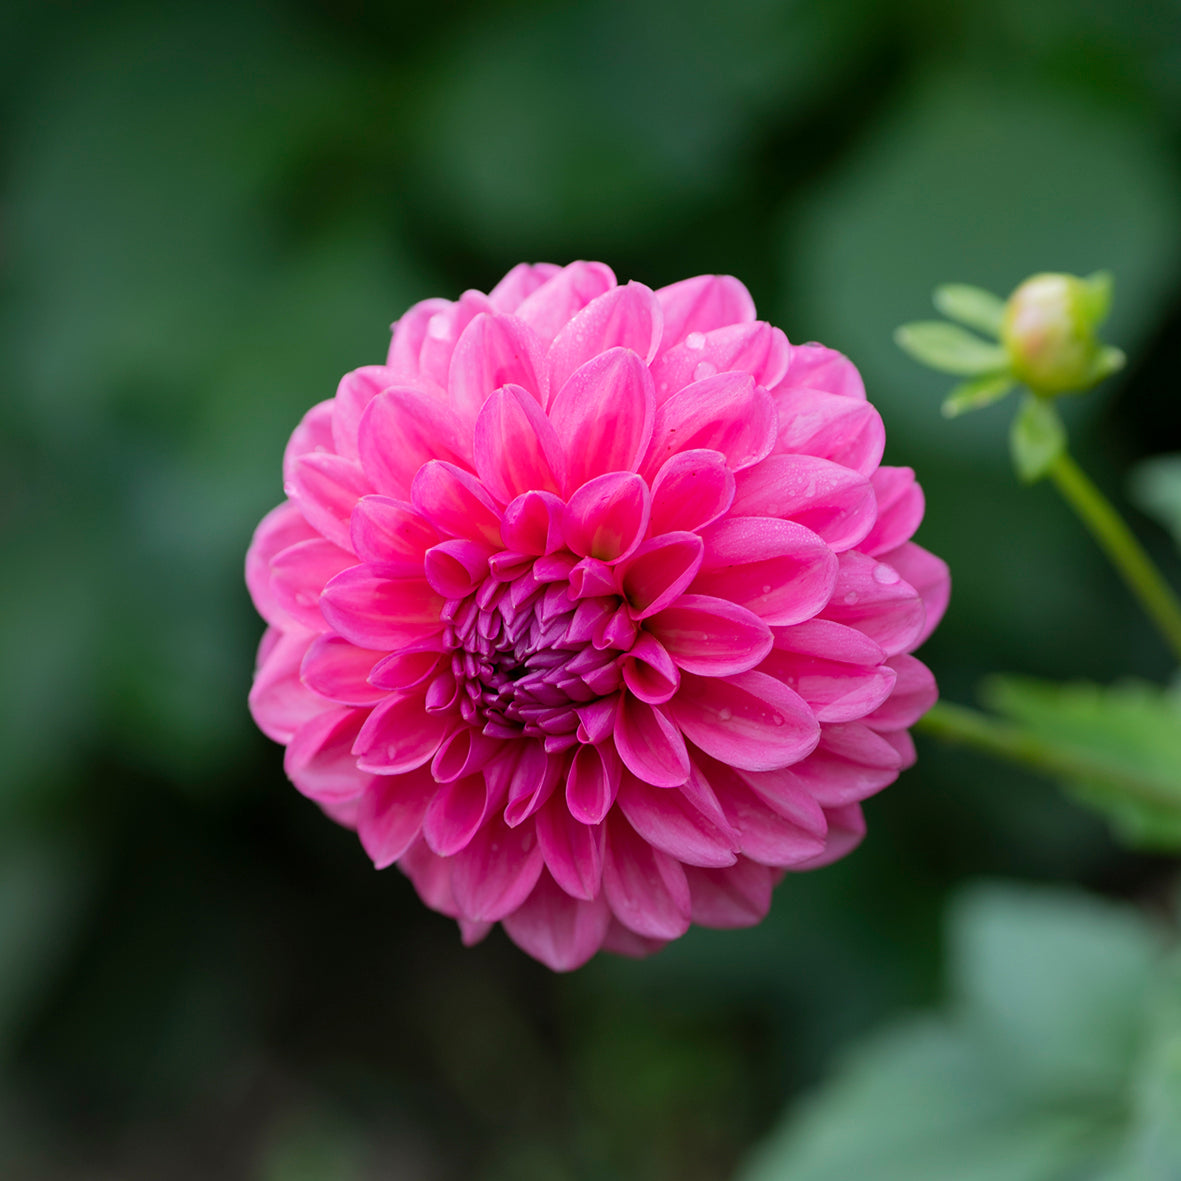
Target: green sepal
1037,438
972,306
950,348
1095,296
975,394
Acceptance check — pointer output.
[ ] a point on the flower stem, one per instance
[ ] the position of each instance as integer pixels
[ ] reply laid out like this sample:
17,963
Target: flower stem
1127,555
961,726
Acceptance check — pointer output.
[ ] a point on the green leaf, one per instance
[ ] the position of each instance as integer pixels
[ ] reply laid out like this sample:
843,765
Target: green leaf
1124,740
950,348
1035,1073
974,395
1037,438
972,306
1156,487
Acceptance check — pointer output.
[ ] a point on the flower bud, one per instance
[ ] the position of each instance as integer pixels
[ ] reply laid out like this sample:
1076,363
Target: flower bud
1049,328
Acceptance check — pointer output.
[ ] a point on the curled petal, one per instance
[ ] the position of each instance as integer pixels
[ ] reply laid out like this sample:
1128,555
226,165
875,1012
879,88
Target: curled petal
711,637
748,720
533,778
400,735
606,518
455,814
624,317
561,931
781,571
532,523
727,413
455,568
691,490
659,572
702,304
649,743
649,671
389,818
456,503
603,415
593,782
407,668
835,502
573,851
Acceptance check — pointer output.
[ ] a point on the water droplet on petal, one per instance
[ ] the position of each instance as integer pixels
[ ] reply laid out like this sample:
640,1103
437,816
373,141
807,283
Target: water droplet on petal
852,598
695,340
766,588
704,369
725,714
777,719
886,575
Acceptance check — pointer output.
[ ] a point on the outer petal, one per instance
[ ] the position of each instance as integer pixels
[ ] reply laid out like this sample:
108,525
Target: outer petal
645,887
573,851
900,509
755,348
400,735
390,816
373,610
279,701
400,430
494,351
548,309
711,637
354,393
929,576
327,487
606,518
702,304
319,758
516,447
846,430
496,871
668,821
561,931
299,575
872,597
914,693
280,528
520,283
821,368
738,896
623,317
339,671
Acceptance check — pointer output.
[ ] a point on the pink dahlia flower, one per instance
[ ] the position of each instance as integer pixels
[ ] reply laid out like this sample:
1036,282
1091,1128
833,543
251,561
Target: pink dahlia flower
592,609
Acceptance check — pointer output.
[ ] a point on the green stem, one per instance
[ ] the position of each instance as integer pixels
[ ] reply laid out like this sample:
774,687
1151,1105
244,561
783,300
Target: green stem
961,726
1118,542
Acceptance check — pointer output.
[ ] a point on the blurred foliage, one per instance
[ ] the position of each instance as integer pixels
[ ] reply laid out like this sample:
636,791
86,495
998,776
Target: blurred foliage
208,213
1059,1060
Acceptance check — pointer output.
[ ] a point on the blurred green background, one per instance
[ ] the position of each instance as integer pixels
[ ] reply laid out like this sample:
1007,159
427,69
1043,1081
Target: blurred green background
210,211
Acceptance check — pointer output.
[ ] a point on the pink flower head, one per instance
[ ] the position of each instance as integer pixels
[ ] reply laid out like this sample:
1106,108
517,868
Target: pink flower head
592,608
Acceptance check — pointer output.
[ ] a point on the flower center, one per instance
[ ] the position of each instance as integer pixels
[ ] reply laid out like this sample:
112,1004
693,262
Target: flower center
529,656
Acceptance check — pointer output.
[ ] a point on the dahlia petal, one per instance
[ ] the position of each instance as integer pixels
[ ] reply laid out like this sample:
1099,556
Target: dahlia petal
783,791
592,578
702,304
835,502
279,701
465,751
649,744
319,757
496,871
495,350
781,571
831,780
624,317
374,610
669,822
516,447
649,671
709,636
872,597
726,412
620,941
607,516
603,415
457,567
409,332
327,488
748,720
338,670
393,533
400,430
299,575
455,814
389,818
472,932
692,489
431,876
408,667
593,782
282,527
532,523
735,896
765,835
821,368
755,348
914,693
929,576
355,391
314,434
444,330
900,510
846,829
856,742
659,572
846,430
548,309
520,283
534,776
834,690
829,641
455,502
560,931
400,735
573,851
645,887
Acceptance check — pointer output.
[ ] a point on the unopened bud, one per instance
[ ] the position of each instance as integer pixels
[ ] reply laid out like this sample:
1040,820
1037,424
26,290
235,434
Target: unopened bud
1049,328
